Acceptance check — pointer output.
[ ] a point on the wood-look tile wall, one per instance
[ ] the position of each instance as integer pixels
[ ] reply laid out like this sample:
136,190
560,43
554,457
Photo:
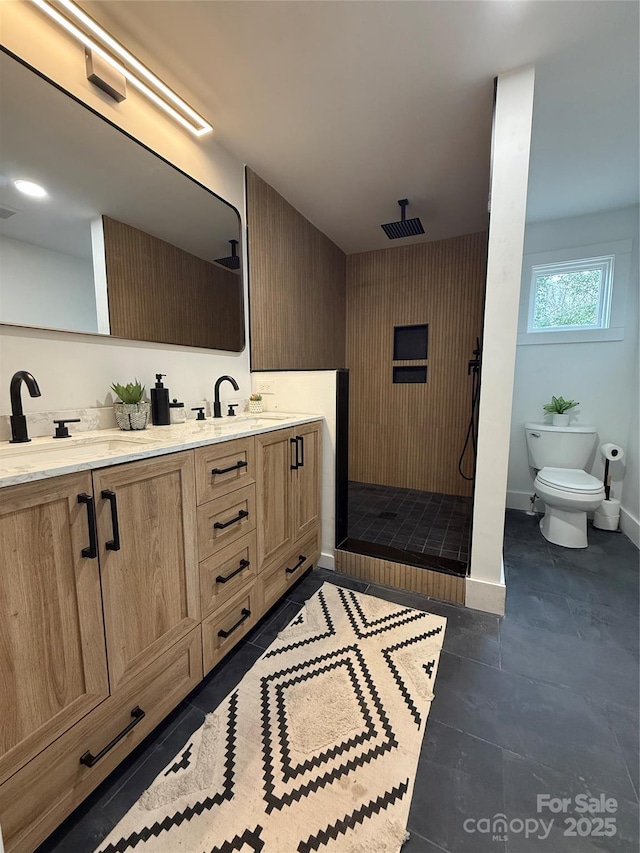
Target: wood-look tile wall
410,435
158,292
401,576
296,286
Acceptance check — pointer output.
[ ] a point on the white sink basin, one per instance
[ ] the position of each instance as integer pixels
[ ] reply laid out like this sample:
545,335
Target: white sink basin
54,450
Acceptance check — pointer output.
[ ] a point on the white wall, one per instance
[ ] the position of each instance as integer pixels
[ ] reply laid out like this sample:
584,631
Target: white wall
310,392
39,287
509,179
76,371
602,375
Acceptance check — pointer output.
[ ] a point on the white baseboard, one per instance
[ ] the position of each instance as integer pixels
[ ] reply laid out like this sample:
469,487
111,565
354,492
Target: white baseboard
327,561
482,595
630,526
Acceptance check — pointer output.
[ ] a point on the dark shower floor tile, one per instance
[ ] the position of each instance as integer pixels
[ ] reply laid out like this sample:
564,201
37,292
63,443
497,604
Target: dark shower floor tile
410,520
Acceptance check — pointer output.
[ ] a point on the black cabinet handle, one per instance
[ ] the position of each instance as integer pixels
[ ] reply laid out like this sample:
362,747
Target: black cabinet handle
245,615
91,551
112,544
301,560
296,465
220,525
237,466
300,438
243,565
89,759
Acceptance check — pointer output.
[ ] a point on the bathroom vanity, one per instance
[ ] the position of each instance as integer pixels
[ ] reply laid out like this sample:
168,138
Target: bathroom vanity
131,564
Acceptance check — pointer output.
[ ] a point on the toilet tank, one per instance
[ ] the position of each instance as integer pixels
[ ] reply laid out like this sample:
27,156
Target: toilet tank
559,447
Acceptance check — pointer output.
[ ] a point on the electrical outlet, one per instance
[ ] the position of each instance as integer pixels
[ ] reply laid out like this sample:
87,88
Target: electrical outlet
265,386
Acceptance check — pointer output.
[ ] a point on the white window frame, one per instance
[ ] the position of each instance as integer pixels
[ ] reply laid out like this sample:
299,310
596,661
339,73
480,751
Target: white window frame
618,288
604,264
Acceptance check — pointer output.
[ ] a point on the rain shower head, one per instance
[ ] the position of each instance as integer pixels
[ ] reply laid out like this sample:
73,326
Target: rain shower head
232,262
405,227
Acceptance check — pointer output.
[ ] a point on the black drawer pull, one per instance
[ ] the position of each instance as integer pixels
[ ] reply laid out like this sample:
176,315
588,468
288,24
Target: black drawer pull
88,759
245,615
220,525
296,464
91,551
243,565
301,560
300,439
236,467
112,544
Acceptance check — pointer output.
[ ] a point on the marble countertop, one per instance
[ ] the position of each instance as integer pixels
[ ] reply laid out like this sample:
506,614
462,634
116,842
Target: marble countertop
47,457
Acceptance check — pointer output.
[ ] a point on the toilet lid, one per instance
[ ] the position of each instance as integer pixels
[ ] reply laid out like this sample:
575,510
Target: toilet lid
570,480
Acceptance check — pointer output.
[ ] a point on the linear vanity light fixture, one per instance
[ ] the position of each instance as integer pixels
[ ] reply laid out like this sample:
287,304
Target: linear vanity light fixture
170,102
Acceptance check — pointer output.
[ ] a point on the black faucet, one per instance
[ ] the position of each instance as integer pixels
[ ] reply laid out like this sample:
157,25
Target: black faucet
19,432
217,409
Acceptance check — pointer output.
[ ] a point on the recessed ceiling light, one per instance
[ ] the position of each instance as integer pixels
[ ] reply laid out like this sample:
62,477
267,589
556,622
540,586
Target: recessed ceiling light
30,188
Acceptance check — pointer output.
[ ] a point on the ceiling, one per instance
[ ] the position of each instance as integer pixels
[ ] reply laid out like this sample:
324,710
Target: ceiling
345,107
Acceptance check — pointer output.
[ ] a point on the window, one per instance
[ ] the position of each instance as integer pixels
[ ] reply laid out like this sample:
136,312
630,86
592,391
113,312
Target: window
572,295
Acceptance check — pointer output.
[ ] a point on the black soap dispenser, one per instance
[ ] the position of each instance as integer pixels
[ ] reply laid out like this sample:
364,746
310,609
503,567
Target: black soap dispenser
160,412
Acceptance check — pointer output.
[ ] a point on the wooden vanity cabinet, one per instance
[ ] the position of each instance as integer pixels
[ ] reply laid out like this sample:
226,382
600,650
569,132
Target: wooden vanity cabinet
146,519
306,479
120,588
53,663
288,482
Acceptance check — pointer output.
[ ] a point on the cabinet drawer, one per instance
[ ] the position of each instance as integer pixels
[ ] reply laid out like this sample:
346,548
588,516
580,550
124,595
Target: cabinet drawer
225,573
224,628
225,520
277,578
42,793
223,468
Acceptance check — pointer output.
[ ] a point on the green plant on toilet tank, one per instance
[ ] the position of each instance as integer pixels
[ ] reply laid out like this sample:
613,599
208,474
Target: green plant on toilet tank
132,412
558,408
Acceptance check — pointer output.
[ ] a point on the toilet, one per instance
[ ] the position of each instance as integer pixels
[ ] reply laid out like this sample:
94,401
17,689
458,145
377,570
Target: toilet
559,455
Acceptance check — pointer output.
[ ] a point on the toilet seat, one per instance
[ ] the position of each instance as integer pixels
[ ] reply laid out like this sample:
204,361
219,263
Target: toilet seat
572,480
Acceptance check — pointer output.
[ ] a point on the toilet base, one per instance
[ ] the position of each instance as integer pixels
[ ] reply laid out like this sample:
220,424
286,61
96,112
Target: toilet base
568,529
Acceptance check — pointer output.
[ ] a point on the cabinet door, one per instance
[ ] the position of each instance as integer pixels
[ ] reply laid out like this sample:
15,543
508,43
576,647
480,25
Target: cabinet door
275,452
307,479
147,534
52,663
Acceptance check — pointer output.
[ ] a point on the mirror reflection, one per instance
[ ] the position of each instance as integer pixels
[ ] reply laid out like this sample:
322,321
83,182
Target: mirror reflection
100,235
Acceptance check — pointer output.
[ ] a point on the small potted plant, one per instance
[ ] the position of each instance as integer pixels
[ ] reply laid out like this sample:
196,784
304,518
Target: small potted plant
132,412
558,407
255,404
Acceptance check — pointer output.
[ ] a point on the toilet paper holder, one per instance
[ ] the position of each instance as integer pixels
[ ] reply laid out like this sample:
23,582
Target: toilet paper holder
611,453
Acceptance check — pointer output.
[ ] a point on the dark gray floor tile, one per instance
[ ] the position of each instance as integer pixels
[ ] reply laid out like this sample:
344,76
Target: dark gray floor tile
447,792
525,780
600,623
82,832
282,614
599,670
624,722
543,722
537,609
607,586
312,582
519,525
473,645
151,764
416,844
136,784
225,677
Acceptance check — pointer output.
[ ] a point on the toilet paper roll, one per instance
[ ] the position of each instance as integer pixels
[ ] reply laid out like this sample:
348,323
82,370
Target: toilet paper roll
612,452
609,509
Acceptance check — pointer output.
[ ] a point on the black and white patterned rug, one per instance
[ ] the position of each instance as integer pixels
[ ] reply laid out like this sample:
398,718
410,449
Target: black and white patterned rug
315,750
